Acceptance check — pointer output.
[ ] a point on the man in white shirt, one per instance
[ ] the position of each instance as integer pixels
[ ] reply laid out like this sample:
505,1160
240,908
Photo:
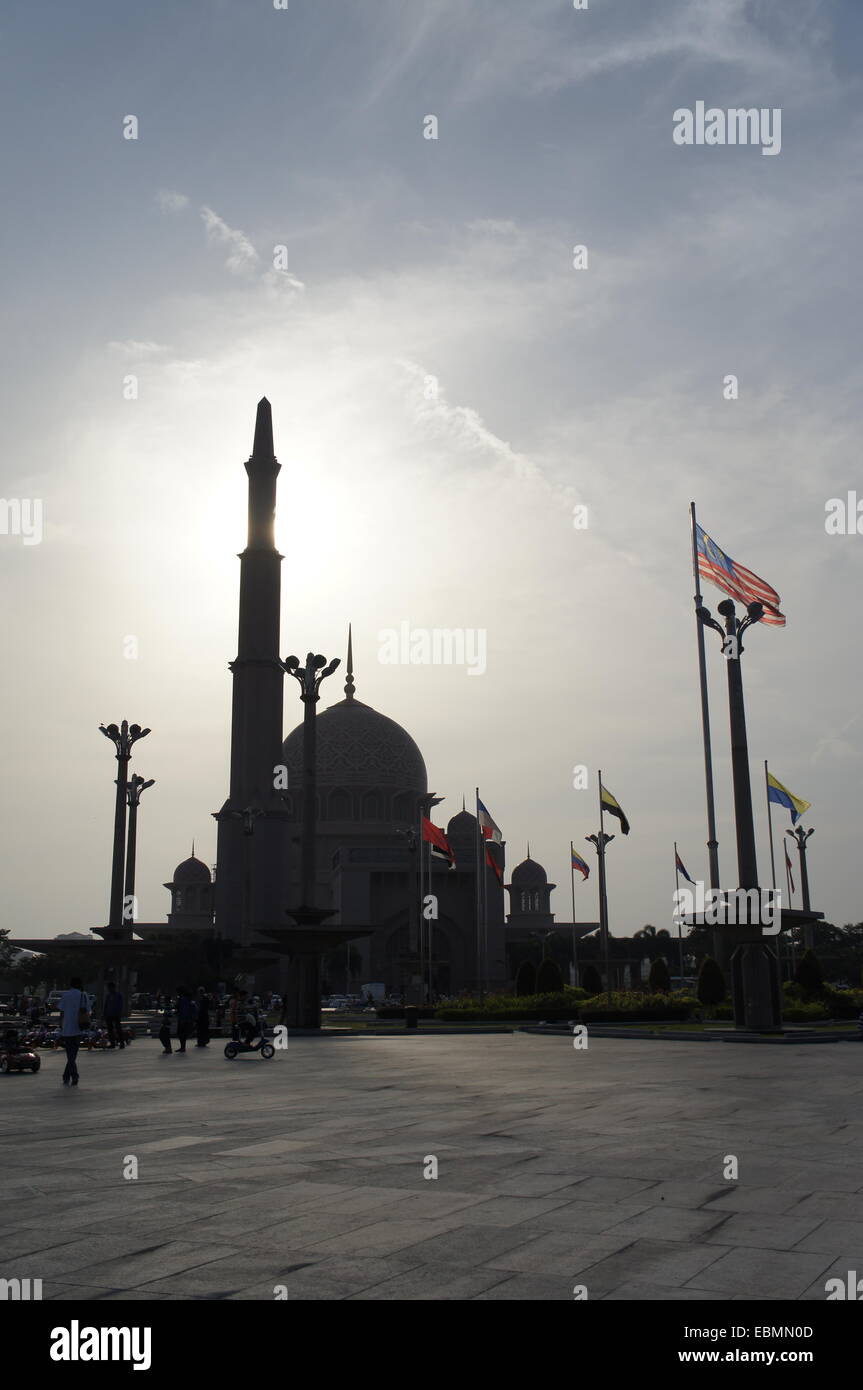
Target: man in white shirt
71,1002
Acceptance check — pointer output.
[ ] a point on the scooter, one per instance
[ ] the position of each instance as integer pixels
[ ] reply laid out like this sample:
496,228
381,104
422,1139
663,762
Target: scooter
252,1028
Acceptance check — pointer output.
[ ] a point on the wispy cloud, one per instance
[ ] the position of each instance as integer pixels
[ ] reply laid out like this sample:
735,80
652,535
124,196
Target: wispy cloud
171,202
242,256
132,348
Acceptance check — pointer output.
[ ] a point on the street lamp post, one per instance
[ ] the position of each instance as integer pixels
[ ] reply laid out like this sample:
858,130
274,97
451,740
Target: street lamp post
136,786
123,738
600,841
309,678
754,967
801,836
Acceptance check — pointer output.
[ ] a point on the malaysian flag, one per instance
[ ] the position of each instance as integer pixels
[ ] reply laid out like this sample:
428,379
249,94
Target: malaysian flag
736,580
439,845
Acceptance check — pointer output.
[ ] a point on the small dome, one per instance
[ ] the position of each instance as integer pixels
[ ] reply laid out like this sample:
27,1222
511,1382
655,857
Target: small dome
462,826
191,870
529,874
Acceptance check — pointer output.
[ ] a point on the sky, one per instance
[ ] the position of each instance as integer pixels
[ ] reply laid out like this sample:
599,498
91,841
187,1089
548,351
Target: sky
447,387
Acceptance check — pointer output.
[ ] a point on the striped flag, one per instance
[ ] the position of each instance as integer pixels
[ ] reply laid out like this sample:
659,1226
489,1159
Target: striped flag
493,864
579,864
488,829
681,869
440,847
736,580
783,797
612,806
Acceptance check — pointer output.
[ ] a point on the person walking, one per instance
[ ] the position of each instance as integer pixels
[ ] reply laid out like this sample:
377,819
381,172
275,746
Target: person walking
203,1019
165,1030
185,1016
112,1013
74,1020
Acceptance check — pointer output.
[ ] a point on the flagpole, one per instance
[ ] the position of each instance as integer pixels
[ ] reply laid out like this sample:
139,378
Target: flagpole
478,906
572,886
679,921
419,890
430,921
712,842
603,898
770,827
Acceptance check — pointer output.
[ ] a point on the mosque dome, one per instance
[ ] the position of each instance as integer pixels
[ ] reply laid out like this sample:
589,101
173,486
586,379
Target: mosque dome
357,746
191,871
462,826
529,874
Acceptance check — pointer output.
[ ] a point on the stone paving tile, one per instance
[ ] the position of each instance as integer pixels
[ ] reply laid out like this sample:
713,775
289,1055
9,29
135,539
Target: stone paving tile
830,1235
508,1211
767,1200
662,1263
830,1206
685,1194
386,1237
839,1268
768,1273
558,1253
432,1282
765,1232
466,1244
602,1189
652,1293
528,1288
136,1269
586,1217
675,1223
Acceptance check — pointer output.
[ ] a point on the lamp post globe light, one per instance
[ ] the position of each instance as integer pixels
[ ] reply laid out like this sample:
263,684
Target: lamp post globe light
801,836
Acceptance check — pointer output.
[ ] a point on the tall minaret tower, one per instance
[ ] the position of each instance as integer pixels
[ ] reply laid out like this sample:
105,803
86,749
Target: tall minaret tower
253,843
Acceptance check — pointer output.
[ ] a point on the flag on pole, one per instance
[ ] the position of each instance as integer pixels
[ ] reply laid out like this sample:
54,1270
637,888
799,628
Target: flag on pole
579,864
783,797
788,867
681,869
493,864
736,580
612,806
487,826
440,847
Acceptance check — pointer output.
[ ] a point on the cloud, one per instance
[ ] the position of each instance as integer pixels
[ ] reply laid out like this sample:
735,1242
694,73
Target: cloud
171,202
132,348
242,257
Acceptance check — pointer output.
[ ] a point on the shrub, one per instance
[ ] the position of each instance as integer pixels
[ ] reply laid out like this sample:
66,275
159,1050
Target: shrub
525,979
808,976
398,1011
659,980
805,1013
507,1008
625,1006
591,979
711,983
548,978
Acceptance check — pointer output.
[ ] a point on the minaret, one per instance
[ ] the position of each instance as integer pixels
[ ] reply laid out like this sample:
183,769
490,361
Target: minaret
252,854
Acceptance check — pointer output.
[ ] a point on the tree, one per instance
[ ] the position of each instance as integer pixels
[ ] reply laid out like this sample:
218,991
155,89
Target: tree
659,979
548,978
711,983
525,979
808,976
7,950
591,980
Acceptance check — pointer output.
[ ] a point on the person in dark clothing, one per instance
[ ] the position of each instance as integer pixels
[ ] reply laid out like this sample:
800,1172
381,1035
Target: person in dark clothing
74,1019
112,1012
165,1030
185,1016
203,1019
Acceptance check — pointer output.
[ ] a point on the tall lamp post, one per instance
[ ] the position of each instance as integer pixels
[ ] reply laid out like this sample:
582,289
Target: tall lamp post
309,678
135,787
124,739
754,967
801,836
600,841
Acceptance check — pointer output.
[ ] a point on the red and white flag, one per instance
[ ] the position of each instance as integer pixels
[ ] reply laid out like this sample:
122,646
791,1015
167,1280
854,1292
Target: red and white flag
488,829
440,847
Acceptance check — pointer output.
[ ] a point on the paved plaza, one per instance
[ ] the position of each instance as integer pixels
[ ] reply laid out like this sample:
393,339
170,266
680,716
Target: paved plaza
556,1168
